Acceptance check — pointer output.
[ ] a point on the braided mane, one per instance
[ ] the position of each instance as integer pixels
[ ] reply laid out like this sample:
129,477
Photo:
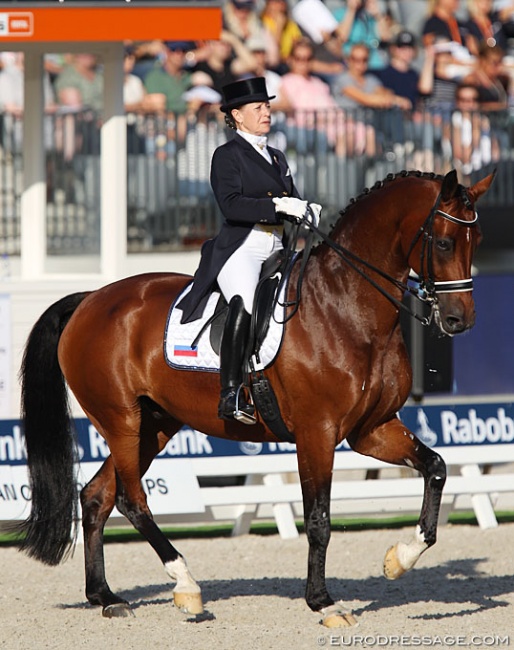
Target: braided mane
388,179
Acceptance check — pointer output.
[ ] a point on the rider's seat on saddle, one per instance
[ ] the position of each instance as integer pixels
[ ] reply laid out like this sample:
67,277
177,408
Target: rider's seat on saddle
262,307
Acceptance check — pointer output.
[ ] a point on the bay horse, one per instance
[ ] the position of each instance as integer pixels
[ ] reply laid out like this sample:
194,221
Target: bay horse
342,373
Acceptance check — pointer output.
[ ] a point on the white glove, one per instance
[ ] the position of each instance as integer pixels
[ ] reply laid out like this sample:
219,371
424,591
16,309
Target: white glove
291,206
313,214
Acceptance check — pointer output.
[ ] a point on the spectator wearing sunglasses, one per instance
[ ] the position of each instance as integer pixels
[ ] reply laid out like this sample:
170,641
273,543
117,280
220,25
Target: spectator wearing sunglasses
314,123
359,92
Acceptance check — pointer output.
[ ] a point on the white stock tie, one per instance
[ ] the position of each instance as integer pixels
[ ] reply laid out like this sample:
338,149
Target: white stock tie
262,142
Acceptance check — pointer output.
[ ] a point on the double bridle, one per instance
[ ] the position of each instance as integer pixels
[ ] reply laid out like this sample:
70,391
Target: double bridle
427,285
426,288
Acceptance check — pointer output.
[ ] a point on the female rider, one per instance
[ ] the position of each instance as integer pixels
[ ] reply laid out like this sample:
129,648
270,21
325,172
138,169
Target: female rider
254,189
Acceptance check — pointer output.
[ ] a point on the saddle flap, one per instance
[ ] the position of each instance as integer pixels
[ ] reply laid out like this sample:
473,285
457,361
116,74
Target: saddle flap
272,265
263,308
262,311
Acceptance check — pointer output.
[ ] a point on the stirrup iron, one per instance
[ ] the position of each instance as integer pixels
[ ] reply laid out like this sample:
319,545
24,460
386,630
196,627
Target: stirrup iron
241,416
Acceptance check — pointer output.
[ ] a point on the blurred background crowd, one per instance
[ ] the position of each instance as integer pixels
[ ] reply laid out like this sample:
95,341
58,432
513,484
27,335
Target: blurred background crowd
411,55
429,82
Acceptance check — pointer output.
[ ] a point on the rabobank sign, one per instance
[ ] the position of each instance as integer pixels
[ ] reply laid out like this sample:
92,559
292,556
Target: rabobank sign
461,424
92,448
474,429
435,425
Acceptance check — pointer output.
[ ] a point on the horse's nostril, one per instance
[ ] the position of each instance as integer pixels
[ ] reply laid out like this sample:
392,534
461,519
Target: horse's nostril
454,324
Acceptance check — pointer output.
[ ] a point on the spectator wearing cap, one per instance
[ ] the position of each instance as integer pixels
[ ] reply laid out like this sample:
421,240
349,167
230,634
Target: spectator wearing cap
404,80
440,96
438,102
400,76
169,78
201,93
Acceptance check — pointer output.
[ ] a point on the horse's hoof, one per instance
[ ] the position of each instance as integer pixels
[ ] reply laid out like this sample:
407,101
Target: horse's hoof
117,610
392,567
337,616
188,603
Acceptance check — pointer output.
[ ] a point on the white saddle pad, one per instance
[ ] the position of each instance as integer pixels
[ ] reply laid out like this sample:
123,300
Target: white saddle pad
178,338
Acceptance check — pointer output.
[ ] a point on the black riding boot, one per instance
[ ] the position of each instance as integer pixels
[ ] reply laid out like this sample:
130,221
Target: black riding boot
233,403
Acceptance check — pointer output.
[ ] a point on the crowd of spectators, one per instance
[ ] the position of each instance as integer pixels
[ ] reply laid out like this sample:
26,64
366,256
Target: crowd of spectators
330,63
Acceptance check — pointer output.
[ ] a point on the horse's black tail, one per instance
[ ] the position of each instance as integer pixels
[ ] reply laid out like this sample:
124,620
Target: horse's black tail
48,533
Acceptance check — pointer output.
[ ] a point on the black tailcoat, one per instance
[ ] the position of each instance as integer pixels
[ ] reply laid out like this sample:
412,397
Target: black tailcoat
244,185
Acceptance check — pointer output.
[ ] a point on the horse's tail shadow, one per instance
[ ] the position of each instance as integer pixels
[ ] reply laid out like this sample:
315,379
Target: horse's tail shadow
51,448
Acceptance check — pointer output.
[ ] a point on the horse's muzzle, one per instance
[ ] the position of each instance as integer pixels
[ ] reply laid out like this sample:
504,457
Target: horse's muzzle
454,315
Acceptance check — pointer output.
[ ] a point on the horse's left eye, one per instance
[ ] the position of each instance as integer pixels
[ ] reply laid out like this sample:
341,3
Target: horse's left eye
444,245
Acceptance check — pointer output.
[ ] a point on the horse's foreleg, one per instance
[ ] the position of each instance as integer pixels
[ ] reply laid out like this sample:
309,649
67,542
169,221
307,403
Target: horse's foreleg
401,557
315,468
393,443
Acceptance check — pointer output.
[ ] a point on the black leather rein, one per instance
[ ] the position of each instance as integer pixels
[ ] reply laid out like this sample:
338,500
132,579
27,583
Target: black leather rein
427,288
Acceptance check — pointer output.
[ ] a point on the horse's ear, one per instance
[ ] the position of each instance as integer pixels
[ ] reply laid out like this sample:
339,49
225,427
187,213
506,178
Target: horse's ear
449,186
476,190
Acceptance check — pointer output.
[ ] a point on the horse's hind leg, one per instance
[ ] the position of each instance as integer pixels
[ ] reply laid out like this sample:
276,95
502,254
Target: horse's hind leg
123,488
131,502
97,499
393,443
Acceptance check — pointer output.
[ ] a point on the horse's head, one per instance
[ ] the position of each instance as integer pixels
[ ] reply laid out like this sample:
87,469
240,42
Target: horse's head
441,252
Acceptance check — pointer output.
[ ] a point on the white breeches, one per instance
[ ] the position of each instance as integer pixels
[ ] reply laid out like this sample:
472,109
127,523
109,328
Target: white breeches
240,273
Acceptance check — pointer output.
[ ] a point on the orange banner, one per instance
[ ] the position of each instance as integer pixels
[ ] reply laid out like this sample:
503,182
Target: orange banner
71,24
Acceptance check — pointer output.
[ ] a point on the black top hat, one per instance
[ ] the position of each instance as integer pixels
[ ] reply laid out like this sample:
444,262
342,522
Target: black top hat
244,92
